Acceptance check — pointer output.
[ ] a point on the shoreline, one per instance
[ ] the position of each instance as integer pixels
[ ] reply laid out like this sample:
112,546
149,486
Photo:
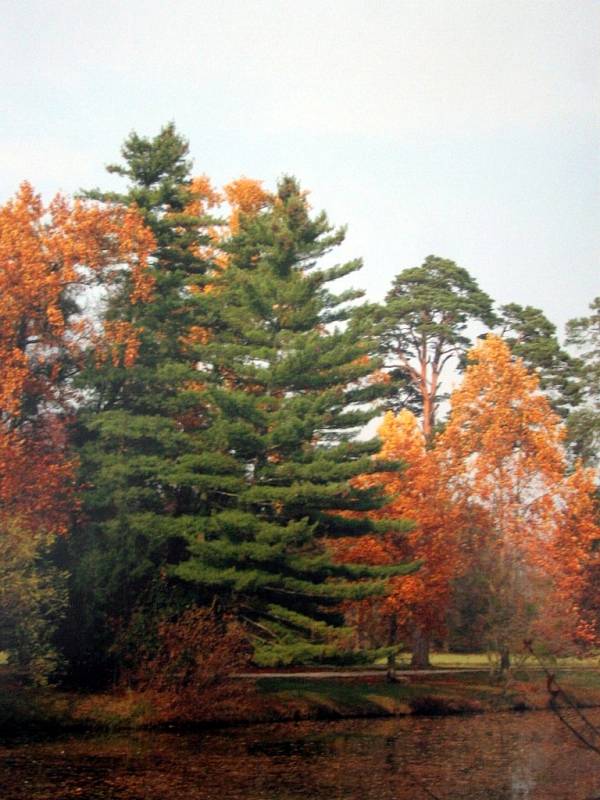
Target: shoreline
285,698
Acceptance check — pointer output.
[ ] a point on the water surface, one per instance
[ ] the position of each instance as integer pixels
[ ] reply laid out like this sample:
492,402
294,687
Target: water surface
528,756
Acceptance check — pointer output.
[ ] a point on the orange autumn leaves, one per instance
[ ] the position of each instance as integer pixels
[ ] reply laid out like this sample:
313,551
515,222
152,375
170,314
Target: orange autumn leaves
244,196
48,256
503,455
573,558
502,438
491,493
420,600
417,601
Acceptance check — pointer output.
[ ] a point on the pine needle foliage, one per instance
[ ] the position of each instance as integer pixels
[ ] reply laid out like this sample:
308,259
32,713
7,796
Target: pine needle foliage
290,389
143,471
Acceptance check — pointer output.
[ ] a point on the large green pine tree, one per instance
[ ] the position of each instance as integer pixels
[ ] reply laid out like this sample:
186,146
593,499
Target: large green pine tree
289,381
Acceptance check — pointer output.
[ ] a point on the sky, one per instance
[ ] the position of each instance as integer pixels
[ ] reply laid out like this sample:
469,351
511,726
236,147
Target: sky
468,129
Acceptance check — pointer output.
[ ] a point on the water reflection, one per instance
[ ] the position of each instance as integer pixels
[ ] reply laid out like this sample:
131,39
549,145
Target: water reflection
488,757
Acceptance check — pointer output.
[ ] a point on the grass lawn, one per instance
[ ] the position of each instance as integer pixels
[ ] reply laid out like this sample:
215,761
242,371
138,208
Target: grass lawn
488,660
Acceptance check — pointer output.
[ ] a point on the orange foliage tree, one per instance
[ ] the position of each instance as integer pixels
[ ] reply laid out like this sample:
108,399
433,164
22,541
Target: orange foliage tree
416,604
503,461
571,612
49,256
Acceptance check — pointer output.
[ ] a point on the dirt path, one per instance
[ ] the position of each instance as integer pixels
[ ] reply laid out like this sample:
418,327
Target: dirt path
354,673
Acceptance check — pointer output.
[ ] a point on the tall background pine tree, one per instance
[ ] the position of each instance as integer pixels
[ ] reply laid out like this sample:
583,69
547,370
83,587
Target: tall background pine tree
139,461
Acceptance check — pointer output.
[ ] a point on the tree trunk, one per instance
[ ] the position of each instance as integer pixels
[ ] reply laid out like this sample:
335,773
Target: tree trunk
428,416
391,659
420,650
504,658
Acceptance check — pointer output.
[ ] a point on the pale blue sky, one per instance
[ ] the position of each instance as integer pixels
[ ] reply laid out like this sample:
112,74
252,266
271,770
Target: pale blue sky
464,128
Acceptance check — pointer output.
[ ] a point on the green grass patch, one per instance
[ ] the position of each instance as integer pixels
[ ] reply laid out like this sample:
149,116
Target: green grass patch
344,692
361,697
447,660
490,661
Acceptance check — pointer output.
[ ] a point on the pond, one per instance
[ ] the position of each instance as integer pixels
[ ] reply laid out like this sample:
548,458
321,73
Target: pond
527,756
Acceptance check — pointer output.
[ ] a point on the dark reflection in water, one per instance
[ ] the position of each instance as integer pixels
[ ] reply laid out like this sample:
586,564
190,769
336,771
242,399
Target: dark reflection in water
488,757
